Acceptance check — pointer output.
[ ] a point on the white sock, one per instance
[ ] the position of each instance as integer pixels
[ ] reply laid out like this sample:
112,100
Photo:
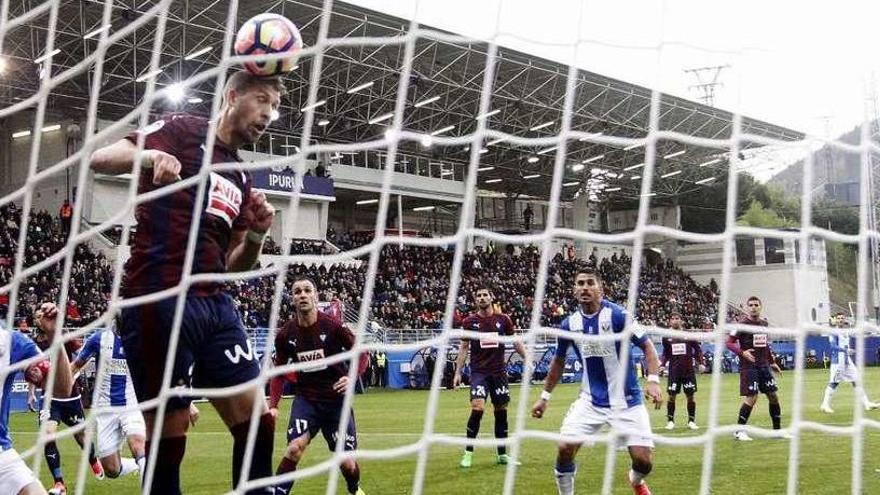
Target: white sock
829,392
129,465
636,478
142,467
565,483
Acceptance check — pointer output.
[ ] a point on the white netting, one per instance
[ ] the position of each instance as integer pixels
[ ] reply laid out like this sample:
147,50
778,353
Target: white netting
94,65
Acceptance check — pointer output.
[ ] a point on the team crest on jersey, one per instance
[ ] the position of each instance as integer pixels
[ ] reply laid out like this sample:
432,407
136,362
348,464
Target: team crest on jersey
323,337
225,198
498,325
606,326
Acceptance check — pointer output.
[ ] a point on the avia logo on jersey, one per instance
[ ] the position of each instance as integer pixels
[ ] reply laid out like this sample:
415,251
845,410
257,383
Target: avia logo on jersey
679,349
240,353
309,356
225,198
759,340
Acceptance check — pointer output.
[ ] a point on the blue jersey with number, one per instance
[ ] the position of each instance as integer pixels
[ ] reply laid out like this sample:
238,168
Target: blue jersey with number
840,345
14,348
601,359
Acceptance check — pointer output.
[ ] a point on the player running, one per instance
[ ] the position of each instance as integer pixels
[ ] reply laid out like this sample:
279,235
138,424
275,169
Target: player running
213,350
114,393
488,370
843,369
603,400
15,477
680,355
65,409
313,336
755,374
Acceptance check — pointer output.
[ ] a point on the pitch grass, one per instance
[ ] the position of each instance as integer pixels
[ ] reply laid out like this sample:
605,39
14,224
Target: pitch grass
395,418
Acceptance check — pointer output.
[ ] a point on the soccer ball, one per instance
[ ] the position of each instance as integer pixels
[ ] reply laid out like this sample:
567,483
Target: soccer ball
268,33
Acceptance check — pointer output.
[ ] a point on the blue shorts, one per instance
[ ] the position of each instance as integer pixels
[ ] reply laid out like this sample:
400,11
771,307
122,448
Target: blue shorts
67,411
309,416
213,350
493,385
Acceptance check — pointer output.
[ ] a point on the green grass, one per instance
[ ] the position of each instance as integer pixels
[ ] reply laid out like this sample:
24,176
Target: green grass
395,418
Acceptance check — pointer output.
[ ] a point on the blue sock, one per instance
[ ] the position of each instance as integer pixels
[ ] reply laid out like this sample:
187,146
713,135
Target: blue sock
565,468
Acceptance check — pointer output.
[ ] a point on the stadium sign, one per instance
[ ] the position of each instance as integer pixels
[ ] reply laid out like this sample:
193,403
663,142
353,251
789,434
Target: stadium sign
283,181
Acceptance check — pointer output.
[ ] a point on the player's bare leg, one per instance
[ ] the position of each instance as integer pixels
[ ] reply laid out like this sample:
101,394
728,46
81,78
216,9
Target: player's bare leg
745,410
642,464
670,412
296,448
115,465
473,428
236,414
97,469
352,474
566,468
692,411
138,448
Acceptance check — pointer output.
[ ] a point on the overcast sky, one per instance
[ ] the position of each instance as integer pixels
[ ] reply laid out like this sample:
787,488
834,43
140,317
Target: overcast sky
804,65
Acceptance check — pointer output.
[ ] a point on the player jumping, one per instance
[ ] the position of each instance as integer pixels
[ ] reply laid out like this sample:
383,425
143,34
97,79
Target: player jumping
680,355
488,370
312,336
213,350
15,477
755,363
843,369
603,399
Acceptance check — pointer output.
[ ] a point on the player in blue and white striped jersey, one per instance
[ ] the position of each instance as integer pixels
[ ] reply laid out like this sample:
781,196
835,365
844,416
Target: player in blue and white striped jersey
604,398
114,397
15,476
843,369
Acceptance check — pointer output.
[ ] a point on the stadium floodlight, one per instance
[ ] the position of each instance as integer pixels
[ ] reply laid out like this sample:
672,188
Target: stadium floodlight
495,141
592,135
487,114
533,159
547,150
316,104
43,58
577,167
648,195
572,183
531,176
426,102
381,118
483,151
20,134
705,181
148,75
274,115
612,189
323,122
485,169
670,174
710,162
92,34
198,53
443,130
194,100
635,177
423,208
366,202
673,155
446,172
541,126
175,92
361,87
493,181
594,159
426,140
51,128
633,167
633,146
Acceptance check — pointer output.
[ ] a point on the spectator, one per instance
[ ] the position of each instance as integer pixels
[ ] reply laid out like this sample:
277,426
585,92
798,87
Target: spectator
527,217
65,214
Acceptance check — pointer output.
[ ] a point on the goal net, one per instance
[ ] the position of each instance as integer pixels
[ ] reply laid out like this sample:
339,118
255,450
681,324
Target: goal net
648,187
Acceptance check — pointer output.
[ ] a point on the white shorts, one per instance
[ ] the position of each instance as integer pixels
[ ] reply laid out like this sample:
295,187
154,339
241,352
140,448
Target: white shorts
115,427
633,423
14,474
841,372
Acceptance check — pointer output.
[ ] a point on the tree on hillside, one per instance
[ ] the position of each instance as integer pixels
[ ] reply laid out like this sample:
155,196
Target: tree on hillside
759,216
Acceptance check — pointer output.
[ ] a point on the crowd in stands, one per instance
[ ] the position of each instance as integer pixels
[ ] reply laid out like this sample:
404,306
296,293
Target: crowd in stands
409,290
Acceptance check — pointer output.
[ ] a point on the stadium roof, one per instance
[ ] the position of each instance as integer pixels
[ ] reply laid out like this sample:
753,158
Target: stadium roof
528,92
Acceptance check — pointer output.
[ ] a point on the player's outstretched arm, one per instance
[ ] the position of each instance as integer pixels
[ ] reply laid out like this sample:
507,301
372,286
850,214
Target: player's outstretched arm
553,376
118,158
63,378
